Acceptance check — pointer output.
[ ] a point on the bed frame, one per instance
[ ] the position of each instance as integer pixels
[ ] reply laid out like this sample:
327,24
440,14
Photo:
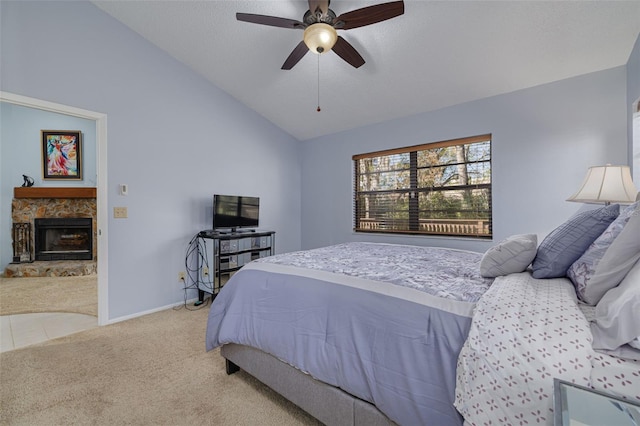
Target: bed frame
330,405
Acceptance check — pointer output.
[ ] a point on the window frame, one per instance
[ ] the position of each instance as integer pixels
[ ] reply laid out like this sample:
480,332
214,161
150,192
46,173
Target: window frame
481,228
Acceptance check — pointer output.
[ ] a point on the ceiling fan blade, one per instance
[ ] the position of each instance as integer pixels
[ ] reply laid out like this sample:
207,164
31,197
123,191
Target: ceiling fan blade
369,15
347,52
273,21
300,50
322,4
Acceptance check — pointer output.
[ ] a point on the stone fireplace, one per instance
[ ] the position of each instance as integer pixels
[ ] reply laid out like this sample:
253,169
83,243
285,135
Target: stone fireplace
64,230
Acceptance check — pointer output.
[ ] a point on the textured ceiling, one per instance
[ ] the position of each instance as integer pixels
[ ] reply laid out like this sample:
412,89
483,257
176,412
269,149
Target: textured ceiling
438,54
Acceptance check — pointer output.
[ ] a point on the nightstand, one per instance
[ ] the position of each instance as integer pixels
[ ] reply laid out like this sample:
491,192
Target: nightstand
575,405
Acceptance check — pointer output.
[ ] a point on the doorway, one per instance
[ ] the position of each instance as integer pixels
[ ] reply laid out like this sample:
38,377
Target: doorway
101,183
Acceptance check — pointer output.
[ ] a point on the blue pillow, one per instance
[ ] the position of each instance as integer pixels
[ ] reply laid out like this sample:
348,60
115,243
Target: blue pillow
565,244
593,277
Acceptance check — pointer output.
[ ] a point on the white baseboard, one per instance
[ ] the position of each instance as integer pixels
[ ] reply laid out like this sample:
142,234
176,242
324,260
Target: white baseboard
150,311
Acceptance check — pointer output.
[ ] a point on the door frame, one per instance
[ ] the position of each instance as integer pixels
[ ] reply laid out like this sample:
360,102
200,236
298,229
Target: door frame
101,184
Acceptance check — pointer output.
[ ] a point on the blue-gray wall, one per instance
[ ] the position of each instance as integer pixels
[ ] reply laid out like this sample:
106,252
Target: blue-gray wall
173,137
21,153
544,139
633,95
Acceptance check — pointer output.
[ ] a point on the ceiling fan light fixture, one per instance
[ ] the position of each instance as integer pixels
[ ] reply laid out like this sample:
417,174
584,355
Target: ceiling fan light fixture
320,37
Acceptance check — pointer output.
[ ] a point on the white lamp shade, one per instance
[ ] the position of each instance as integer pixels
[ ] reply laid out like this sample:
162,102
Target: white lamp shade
606,184
320,37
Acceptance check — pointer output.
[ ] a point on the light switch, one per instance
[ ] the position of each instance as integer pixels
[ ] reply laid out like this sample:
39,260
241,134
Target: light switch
120,212
124,189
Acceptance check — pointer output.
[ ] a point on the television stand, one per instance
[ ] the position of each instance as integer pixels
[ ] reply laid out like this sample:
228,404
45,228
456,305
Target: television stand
222,253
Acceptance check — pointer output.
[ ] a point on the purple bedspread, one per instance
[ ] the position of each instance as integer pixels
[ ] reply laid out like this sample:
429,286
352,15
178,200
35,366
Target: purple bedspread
392,345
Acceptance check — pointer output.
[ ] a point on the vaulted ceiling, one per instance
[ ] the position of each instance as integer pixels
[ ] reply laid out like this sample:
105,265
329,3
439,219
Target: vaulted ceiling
437,54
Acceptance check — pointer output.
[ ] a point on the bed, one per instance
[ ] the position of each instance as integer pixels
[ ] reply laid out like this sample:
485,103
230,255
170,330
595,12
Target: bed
364,333
333,313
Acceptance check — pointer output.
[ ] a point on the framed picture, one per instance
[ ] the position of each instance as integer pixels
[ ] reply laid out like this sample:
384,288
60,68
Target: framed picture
62,154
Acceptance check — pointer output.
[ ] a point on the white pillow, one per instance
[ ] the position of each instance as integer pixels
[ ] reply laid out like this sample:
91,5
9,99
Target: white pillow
624,351
509,256
617,319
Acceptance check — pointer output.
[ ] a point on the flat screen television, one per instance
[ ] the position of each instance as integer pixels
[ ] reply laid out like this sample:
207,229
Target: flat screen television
233,211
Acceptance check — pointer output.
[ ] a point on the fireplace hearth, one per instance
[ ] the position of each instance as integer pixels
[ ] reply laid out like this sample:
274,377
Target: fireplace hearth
63,239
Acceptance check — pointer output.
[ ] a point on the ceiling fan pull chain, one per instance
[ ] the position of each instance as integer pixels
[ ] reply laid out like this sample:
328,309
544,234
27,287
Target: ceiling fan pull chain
318,83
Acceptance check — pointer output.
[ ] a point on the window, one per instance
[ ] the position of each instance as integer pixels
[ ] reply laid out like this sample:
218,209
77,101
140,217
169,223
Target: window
441,188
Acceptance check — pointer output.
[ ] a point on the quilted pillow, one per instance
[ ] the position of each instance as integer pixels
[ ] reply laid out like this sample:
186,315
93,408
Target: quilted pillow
509,256
565,244
617,319
582,271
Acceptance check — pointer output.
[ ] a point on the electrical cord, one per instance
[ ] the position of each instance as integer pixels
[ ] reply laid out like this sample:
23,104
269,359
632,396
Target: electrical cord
196,253
204,263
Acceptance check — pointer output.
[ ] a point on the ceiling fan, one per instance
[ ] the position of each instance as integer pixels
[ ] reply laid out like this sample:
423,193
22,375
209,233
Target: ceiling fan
320,24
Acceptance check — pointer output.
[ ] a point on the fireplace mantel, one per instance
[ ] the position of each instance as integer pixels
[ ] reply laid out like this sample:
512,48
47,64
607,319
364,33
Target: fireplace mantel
54,192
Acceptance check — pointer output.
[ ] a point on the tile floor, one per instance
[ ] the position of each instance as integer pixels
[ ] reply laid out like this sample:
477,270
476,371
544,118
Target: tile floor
18,331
